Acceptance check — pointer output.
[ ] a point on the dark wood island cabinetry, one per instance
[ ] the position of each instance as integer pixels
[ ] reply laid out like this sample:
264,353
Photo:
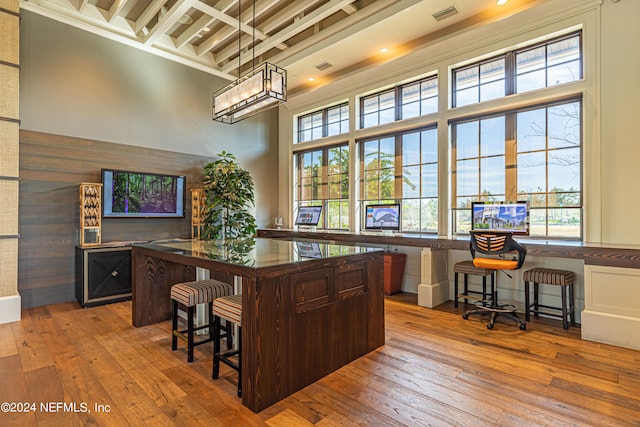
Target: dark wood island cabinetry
303,317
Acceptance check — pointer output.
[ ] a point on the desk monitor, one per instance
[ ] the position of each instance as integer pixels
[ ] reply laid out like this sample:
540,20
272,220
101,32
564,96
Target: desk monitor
308,215
382,217
501,216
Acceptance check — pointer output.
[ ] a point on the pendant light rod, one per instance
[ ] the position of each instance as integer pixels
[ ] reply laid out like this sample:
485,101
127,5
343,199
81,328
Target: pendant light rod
239,35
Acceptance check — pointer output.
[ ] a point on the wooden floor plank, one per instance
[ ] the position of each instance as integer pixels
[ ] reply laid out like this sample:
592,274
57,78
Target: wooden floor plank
7,341
435,369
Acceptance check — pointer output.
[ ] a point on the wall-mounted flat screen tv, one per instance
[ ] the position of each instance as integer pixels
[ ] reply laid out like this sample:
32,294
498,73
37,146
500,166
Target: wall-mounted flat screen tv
382,217
127,194
501,216
308,215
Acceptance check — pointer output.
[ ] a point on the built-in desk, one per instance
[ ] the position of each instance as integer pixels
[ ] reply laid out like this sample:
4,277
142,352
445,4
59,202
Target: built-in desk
611,275
308,309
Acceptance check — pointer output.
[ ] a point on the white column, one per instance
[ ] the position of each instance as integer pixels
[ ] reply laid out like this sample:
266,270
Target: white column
434,284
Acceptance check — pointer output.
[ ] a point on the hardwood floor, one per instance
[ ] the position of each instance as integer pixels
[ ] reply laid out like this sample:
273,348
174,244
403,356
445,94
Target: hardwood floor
435,369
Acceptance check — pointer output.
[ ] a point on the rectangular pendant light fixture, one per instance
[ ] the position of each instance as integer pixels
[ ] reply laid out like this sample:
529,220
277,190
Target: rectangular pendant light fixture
261,88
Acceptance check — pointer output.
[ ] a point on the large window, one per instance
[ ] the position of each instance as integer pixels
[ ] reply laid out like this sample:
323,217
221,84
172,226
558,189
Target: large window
404,168
323,179
542,65
401,102
322,123
531,154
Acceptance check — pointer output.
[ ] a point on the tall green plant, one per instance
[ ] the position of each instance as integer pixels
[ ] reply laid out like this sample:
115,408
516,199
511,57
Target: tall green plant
229,192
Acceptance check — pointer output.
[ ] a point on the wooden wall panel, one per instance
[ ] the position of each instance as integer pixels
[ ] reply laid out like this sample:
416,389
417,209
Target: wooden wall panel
9,148
51,169
10,5
10,33
9,77
9,122
8,266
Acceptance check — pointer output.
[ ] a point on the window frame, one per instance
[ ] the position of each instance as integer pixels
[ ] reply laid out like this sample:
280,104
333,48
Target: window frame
398,167
324,194
324,125
398,103
512,190
511,76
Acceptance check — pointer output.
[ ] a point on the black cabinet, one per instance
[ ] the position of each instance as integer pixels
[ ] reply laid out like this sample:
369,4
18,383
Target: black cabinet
103,275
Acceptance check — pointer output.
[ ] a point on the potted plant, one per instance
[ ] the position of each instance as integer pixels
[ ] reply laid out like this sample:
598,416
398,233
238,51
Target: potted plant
229,194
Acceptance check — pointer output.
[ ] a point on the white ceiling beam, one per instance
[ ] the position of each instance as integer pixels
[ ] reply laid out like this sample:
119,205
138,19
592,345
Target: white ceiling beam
233,22
194,29
82,4
115,9
306,22
148,15
227,32
203,22
350,9
286,14
168,20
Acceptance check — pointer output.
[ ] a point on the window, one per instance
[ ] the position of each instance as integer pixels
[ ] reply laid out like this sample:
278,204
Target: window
323,179
480,82
542,65
401,102
531,154
326,122
549,64
403,167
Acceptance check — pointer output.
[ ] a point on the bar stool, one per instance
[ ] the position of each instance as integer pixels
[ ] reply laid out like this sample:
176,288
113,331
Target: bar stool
189,295
228,308
563,278
466,268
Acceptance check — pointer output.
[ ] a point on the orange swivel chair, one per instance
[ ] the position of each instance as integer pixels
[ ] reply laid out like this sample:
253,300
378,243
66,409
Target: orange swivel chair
496,250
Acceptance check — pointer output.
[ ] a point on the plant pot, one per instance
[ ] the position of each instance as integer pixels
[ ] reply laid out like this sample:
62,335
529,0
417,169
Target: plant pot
393,272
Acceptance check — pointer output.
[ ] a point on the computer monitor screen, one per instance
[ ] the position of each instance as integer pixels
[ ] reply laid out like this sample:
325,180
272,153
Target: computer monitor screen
501,216
308,215
382,217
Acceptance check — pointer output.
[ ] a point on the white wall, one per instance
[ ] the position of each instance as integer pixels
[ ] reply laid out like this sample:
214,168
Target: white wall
619,65
76,83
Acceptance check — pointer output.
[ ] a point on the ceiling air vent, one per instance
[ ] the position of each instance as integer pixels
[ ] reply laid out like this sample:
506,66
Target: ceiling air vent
445,13
323,66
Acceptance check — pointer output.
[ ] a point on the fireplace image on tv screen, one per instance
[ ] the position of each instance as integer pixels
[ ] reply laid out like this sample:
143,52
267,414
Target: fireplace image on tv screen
141,194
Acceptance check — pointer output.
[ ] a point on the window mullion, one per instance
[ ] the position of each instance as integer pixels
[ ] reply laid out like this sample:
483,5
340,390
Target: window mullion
511,159
398,168
510,73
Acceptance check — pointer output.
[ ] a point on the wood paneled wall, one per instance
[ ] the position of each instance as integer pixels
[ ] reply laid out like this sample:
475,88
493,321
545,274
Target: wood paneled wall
51,169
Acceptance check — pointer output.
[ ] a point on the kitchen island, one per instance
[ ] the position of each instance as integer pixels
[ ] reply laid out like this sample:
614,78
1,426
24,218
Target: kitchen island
308,308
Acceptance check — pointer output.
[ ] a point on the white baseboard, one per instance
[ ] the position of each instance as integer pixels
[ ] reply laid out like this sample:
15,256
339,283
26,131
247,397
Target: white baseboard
432,294
10,309
623,331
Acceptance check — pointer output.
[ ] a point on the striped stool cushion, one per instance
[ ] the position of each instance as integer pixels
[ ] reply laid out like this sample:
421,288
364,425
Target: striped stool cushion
549,276
229,308
200,291
467,267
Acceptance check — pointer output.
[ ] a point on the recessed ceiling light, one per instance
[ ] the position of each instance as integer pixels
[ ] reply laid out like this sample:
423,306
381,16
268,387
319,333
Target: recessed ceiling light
384,50
311,79
206,29
501,2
